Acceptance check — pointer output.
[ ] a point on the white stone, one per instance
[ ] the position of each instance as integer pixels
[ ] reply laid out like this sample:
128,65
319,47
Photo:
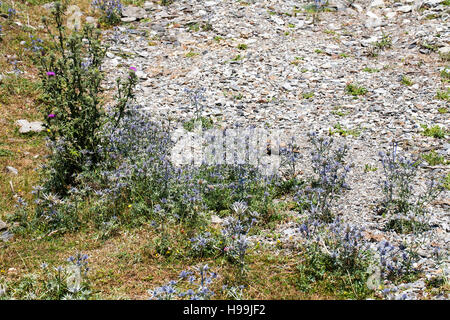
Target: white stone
277,20
25,126
373,20
444,52
377,3
12,170
134,12
391,15
404,9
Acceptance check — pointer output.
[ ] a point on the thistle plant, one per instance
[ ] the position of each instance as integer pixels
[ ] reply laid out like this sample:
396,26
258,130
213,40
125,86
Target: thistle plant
203,244
111,10
235,231
176,289
290,156
331,172
397,186
395,261
64,282
70,70
197,99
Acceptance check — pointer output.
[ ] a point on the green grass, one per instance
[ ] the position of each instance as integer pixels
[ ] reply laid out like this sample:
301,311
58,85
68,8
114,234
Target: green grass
370,70
242,46
338,112
443,95
369,168
237,58
307,95
406,81
434,159
191,54
446,182
445,75
342,131
435,131
206,123
355,90
384,43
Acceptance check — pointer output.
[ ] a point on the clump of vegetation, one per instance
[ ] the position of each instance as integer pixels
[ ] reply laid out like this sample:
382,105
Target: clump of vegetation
191,54
407,212
435,131
336,260
242,46
73,109
433,159
111,11
445,74
383,44
339,129
406,81
331,171
355,90
443,95
166,2
307,95
198,286
370,70
68,282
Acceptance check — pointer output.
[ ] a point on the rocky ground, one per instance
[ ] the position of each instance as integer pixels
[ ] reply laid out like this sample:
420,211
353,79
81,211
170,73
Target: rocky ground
274,64
279,65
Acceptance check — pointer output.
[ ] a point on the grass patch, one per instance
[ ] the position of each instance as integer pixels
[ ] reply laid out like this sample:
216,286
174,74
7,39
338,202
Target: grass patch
355,90
433,159
406,81
443,95
435,131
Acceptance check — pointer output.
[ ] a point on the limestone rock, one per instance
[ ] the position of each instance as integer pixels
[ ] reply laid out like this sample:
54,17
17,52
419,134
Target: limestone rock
25,126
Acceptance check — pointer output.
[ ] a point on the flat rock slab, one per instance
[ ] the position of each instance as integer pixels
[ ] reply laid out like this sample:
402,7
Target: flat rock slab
6,236
12,170
3,225
134,12
26,126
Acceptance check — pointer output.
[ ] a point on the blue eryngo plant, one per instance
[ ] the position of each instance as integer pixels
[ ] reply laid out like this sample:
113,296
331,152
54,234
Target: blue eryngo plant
204,244
64,282
197,100
331,171
188,286
396,261
400,200
342,243
235,231
70,70
336,253
289,159
111,10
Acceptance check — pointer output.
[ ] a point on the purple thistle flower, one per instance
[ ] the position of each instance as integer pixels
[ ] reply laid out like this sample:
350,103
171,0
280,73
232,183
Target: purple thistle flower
50,73
51,115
